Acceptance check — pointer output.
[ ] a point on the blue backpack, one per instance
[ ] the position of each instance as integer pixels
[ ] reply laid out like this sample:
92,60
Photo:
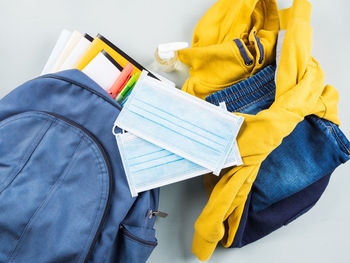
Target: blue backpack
64,196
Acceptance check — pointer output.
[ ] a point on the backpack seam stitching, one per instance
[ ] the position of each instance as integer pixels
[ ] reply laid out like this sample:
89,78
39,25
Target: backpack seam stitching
27,229
29,152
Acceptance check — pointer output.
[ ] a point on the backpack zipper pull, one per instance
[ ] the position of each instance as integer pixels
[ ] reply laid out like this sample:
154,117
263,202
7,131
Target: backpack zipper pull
157,213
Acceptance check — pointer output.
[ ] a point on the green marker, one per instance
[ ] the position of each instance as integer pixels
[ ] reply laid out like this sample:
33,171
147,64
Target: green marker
128,87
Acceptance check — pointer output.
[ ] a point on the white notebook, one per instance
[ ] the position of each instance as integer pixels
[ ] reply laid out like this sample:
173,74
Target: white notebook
103,69
72,42
57,50
76,53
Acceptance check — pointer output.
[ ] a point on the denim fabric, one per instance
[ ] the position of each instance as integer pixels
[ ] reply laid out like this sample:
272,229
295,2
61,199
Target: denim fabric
296,170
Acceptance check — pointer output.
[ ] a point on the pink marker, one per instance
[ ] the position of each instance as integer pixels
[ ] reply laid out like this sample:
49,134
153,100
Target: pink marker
121,81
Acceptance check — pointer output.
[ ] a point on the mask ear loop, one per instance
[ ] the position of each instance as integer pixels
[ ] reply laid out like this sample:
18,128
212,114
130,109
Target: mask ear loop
113,130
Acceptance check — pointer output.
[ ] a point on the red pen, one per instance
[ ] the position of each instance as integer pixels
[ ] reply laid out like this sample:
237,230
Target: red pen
120,82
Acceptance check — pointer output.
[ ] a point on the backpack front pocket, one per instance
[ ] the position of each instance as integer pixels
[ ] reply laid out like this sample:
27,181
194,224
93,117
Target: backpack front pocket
55,189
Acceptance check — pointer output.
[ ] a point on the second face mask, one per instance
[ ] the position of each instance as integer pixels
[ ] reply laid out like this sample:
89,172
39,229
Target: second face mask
148,166
180,123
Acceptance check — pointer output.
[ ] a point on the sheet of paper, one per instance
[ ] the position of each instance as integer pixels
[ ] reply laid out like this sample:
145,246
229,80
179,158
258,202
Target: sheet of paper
103,69
77,52
57,50
72,42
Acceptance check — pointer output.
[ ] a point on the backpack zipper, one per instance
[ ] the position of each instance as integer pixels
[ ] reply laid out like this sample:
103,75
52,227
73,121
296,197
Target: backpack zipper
104,97
109,170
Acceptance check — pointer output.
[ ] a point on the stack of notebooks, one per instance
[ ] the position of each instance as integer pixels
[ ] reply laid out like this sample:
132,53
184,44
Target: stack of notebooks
98,58
170,135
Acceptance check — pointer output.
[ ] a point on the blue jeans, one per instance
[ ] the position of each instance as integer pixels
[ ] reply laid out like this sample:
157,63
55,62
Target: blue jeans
294,176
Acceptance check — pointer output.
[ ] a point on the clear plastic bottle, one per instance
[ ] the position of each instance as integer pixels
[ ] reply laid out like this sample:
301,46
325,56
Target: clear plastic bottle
166,55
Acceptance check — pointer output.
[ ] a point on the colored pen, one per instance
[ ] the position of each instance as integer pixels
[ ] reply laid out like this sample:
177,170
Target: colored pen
128,87
120,82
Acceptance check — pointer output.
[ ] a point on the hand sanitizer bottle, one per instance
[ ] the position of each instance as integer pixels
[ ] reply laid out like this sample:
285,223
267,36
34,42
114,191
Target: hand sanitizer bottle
166,55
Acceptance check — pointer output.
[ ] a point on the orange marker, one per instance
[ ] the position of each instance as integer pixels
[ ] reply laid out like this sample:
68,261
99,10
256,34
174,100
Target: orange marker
120,82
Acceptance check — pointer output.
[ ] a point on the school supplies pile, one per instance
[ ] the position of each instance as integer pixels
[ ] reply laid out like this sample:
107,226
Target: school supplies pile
178,136
98,58
66,171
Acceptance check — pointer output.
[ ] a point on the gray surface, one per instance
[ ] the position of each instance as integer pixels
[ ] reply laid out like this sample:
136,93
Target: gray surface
29,31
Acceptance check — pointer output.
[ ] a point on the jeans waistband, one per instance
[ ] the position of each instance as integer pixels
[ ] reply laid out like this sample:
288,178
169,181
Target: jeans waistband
248,91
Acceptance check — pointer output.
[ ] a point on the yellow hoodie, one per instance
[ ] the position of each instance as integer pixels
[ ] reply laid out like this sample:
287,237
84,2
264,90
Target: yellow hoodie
214,59
300,91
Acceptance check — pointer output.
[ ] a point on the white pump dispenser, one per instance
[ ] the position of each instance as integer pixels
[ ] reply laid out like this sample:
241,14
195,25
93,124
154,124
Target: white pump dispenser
166,55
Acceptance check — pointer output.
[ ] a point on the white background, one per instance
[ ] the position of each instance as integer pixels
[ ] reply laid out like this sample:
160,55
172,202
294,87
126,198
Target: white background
29,30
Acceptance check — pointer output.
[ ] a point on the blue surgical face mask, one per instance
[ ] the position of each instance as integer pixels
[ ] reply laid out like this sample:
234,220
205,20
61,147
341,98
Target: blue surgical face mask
148,166
180,123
